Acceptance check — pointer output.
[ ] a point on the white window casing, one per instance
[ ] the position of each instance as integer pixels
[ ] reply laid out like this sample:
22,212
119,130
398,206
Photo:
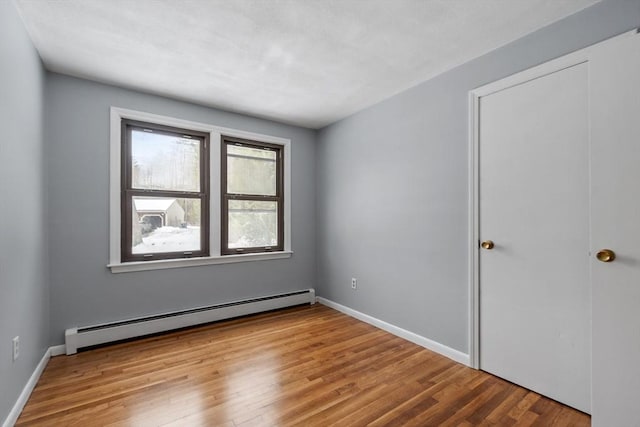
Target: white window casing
215,134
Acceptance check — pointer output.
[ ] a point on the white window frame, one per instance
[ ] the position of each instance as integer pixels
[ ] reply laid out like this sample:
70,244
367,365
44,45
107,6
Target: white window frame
215,134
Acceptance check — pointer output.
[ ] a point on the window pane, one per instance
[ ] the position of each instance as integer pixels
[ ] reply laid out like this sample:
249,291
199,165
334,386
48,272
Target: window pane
165,162
165,225
251,171
252,224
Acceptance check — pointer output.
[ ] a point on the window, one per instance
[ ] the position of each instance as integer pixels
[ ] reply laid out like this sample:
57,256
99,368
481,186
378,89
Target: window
165,197
252,198
170,189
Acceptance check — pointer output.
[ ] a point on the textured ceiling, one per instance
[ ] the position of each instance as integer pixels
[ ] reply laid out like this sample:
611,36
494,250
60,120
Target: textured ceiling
304,62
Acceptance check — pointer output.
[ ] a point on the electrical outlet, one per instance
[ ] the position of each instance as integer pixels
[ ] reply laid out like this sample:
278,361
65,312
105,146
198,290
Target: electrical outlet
16,348
354,283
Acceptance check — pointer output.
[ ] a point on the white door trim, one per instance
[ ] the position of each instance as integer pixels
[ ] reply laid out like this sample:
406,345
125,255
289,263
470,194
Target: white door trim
546,68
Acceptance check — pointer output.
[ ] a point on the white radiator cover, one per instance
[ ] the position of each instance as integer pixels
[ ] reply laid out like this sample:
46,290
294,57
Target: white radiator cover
88,336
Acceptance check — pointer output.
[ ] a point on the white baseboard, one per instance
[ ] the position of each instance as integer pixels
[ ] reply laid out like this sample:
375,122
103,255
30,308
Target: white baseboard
58,350
12,418
442,349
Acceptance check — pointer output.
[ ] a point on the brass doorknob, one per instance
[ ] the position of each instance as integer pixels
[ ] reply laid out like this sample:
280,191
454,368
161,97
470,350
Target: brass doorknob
487,244
606,255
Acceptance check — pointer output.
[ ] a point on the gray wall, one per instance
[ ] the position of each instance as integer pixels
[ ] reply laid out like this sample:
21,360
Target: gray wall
24,289
83,290
392,186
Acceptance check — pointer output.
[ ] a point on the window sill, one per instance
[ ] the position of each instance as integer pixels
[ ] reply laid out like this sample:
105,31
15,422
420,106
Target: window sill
193,262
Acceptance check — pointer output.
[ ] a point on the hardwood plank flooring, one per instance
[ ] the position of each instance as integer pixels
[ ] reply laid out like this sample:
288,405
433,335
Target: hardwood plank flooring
303,366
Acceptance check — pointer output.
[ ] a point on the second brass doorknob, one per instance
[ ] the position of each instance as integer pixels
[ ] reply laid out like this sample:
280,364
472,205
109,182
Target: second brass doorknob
606,255
487,244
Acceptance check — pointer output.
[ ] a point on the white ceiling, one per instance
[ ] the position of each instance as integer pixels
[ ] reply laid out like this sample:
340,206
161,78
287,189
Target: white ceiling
304,62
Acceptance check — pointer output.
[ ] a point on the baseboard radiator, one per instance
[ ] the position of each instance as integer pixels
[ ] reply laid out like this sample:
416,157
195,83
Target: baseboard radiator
76,338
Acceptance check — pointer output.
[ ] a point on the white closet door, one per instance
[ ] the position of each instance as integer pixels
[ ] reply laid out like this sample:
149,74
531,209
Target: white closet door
535,295
615,133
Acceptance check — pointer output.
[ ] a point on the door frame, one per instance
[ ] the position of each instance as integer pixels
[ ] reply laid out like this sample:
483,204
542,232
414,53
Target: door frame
569,60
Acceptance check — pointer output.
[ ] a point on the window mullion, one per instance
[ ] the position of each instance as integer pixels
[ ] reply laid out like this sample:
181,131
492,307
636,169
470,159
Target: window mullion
237,196
164,193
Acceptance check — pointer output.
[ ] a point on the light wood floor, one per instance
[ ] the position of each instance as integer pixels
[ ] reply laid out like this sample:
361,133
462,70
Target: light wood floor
309,366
